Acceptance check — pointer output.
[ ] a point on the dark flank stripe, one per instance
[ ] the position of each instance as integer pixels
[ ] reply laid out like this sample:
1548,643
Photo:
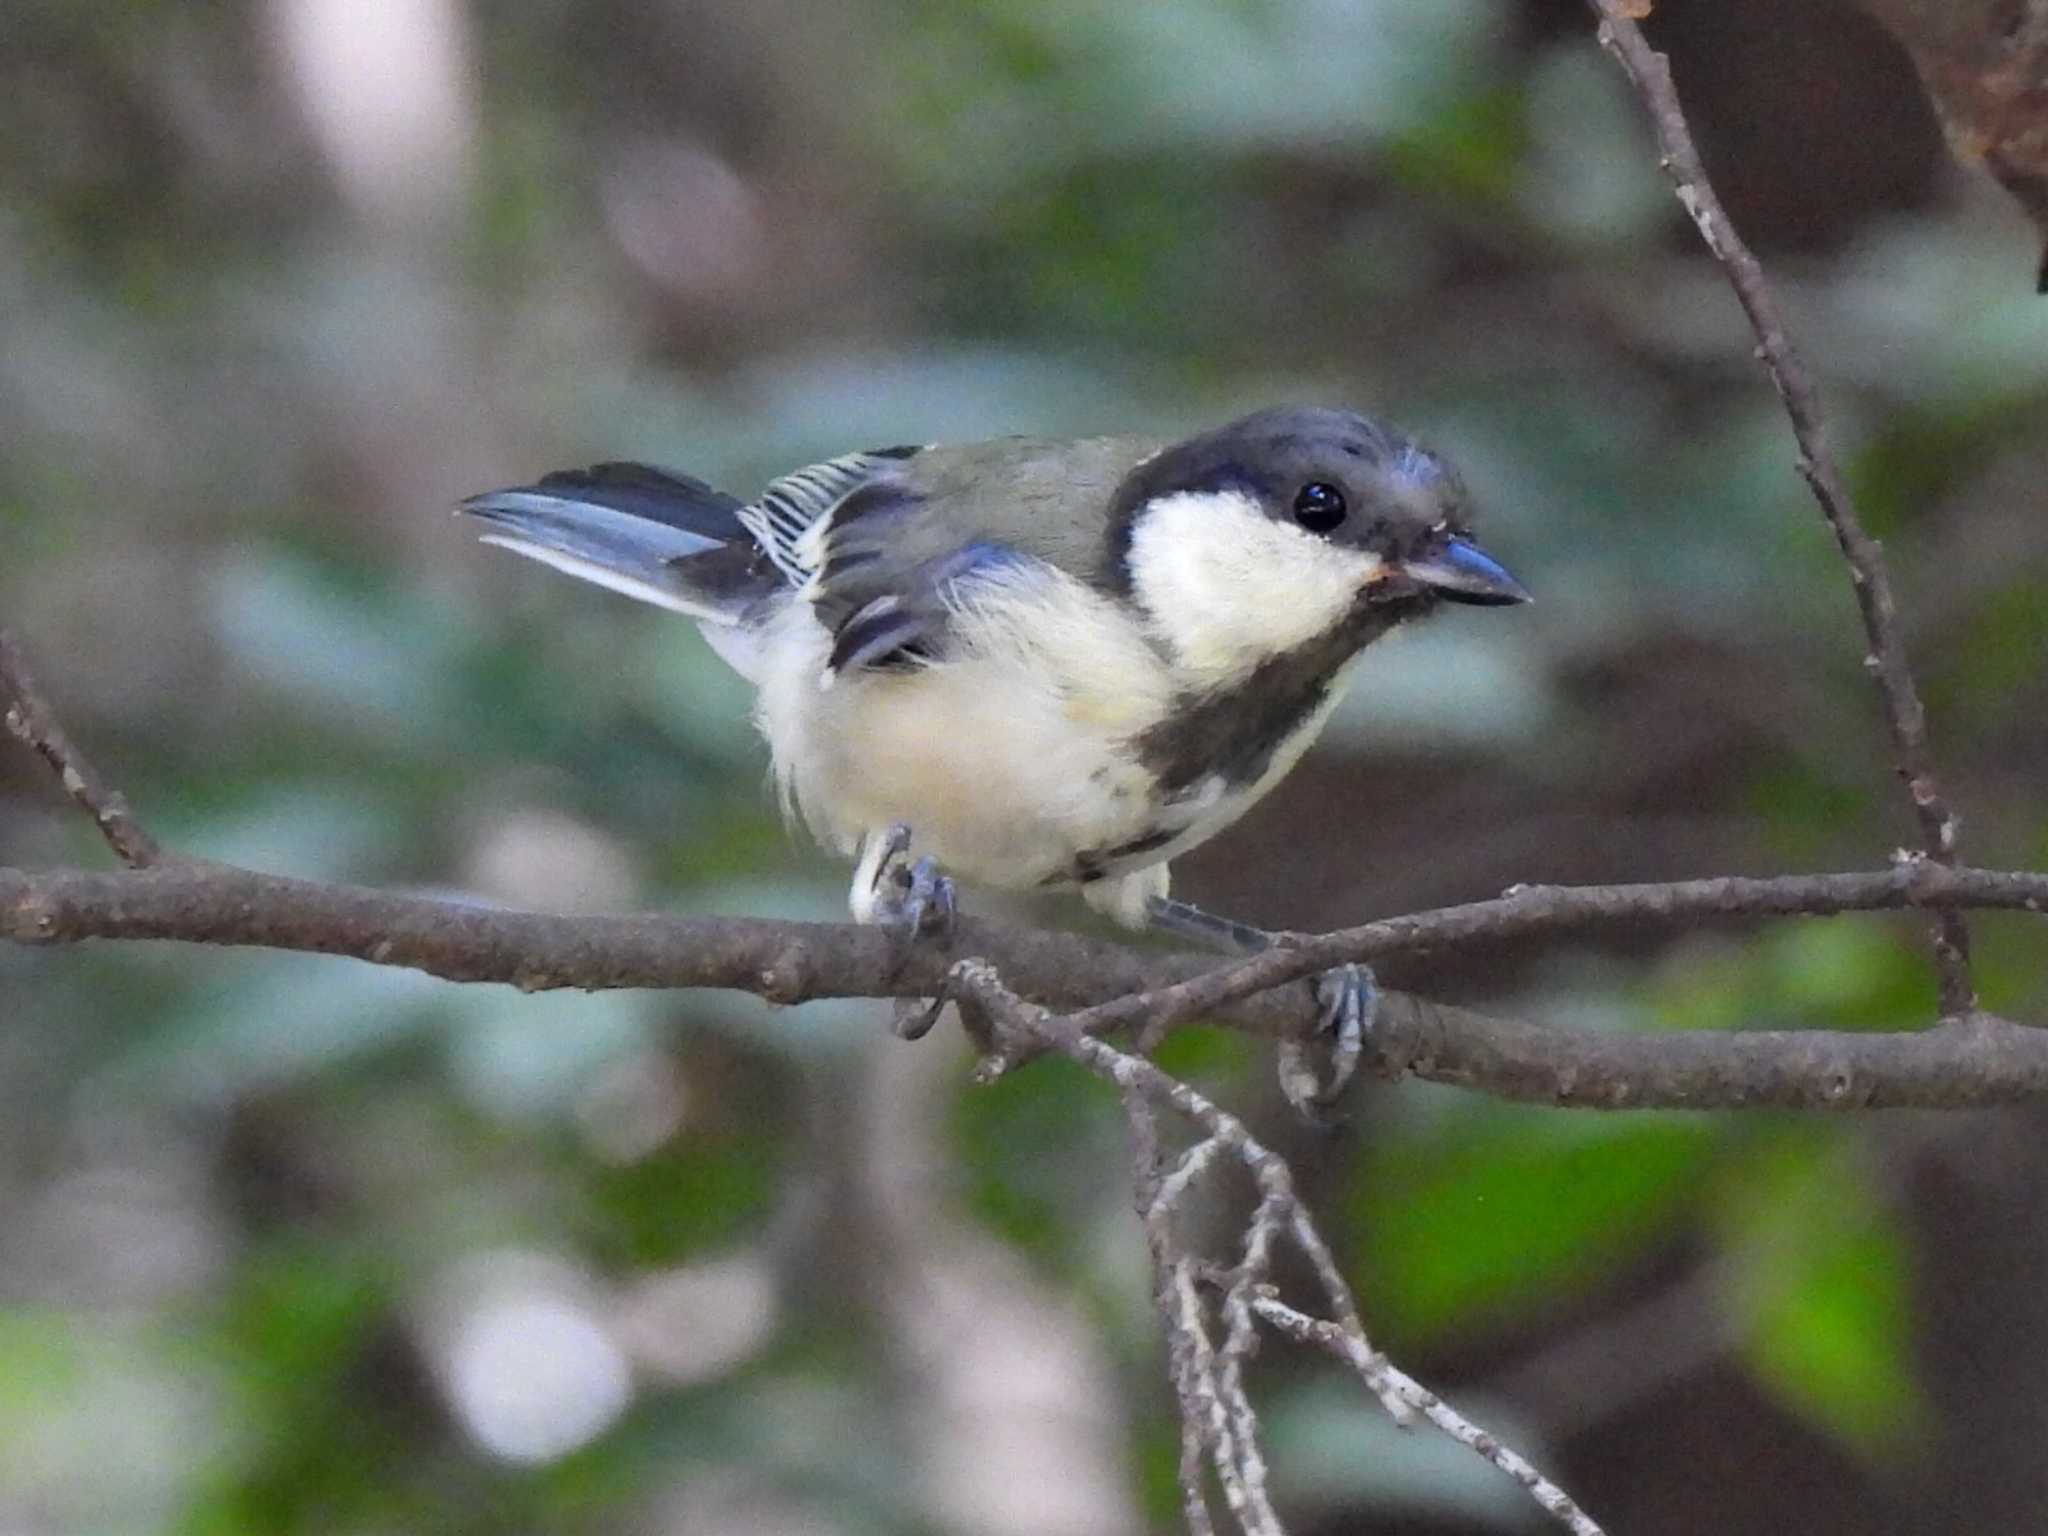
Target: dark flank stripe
1095,863
1233,732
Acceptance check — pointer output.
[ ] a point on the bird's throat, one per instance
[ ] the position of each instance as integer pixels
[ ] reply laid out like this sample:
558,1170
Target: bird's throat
1233,729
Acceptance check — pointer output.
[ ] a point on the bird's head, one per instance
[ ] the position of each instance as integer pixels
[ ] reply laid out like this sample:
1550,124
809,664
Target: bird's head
1289,525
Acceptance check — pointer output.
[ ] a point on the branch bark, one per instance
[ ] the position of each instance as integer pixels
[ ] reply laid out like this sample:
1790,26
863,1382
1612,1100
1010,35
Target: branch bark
1975,1060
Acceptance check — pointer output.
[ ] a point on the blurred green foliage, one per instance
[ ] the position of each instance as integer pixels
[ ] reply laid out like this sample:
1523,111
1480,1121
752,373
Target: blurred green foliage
1498,1208
279,286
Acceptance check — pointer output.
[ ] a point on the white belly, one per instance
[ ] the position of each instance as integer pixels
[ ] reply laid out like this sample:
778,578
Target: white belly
1011,760
1005,761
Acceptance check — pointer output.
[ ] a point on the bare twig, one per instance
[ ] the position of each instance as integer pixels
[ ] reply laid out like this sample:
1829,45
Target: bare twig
1194,1506
1202,1427
1217,1417
1374,1369
30,718
1886,661
1548,909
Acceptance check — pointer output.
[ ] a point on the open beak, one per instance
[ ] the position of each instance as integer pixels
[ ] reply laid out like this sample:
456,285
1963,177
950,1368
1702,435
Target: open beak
1461,572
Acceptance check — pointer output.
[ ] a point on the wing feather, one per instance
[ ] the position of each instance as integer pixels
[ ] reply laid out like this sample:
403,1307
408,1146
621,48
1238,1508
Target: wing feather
783,515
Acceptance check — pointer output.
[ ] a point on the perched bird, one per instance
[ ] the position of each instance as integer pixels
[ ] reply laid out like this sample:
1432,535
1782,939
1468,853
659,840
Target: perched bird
1034,662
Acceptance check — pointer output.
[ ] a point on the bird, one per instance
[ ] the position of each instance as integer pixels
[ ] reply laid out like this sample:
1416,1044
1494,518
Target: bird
1039,663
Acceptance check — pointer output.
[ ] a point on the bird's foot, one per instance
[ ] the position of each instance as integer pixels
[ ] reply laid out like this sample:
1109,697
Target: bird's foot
1315,1071
912,899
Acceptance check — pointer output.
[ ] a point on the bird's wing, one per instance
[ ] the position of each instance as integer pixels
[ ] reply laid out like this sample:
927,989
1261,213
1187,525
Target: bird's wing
884,563
908,624
782,518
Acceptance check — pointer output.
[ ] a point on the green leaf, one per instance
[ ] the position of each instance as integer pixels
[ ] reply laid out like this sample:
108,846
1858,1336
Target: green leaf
303,1328
1847,974
1498,1208
698,1192
1851,973
2001,655
1820,1294
1031,1147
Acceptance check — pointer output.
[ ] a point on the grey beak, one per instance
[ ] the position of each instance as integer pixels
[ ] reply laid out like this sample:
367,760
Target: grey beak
1462,572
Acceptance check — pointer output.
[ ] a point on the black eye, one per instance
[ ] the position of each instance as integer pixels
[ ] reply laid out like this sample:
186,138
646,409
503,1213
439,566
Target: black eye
1319,507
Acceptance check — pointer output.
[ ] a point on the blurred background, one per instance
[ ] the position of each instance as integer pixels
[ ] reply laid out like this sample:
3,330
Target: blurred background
298,1245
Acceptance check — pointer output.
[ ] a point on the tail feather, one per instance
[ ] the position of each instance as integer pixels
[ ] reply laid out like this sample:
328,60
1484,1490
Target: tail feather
663,538
658,495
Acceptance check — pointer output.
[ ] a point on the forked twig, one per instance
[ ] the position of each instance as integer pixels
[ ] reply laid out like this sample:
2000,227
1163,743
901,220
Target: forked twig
1197,1300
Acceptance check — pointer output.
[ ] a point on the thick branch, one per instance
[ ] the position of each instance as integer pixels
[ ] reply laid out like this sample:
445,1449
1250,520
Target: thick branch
1977,1061
1886,661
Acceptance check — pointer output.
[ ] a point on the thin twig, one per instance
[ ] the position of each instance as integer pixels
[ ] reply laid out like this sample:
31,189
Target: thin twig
1209,1379
1886,661
1194,1507
1203,1428
792,962
1532,910
29,717
1970,1061
1193,1163
1374,1370
1241,1342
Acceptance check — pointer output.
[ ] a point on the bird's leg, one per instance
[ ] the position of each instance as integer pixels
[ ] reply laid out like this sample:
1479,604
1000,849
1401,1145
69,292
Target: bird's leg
891,890
1189,921
911,898
1347,995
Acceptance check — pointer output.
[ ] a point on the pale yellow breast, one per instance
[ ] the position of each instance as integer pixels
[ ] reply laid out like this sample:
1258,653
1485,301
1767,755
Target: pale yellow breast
1006,760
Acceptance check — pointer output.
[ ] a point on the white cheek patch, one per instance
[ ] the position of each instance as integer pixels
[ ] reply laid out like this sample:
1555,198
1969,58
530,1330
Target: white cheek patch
1228,587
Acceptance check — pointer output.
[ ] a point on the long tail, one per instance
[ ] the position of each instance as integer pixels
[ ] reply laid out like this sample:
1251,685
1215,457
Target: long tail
660,537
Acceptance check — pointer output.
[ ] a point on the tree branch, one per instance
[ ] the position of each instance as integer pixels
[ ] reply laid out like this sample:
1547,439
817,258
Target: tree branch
1978,1060
1650,73
1545,910
30,718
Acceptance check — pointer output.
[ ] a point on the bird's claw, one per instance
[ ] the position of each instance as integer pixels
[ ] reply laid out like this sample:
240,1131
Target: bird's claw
914,900
920,906
1315,1071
